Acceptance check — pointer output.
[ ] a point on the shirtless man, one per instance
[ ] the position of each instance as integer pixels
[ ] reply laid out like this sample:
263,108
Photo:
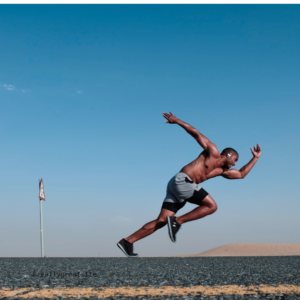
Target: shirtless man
183,187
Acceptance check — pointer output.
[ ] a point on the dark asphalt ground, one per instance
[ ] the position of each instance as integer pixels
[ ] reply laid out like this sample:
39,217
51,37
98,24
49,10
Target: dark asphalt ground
153,272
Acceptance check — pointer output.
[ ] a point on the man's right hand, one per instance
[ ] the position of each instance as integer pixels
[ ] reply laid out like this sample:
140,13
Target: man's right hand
256,152
171,118
203,141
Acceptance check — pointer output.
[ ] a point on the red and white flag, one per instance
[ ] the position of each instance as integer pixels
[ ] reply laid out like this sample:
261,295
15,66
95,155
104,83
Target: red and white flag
42,192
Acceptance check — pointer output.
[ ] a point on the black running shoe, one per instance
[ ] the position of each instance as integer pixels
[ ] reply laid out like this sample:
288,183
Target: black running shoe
173,227
127,248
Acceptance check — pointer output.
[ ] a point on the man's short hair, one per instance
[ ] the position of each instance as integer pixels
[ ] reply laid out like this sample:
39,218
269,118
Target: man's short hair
229,151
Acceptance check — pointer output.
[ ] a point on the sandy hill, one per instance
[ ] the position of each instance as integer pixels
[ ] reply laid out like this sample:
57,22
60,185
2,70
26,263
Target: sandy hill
250,249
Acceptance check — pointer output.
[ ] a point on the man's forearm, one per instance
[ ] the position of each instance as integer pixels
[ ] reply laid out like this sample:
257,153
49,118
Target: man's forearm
200,138
188,128
246,168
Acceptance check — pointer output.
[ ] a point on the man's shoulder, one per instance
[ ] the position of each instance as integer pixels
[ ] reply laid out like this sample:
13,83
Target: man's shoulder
213,150
212,153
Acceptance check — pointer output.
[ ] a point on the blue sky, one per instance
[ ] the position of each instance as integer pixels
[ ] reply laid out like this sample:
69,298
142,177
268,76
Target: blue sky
82,92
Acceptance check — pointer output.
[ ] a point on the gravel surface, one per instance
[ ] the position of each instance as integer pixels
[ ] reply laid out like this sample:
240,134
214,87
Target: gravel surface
152,272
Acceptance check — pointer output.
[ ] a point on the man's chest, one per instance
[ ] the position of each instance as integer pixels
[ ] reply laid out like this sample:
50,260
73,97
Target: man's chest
211,169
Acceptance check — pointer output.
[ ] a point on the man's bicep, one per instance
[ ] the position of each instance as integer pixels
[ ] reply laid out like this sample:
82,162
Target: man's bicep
232,174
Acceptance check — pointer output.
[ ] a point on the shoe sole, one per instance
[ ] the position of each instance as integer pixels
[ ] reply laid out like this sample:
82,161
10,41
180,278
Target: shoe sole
170,230
120,246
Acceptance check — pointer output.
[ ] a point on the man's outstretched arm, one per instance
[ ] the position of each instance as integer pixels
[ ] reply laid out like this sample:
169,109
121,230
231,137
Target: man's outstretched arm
238,174
203,141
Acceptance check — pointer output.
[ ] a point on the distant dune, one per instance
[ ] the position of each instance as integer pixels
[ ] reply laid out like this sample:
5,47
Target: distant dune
250,249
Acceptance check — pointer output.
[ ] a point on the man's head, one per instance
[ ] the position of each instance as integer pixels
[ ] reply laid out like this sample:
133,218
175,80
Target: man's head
232,157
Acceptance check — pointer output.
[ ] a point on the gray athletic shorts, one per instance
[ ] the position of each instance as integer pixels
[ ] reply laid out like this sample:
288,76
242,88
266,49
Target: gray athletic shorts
182,189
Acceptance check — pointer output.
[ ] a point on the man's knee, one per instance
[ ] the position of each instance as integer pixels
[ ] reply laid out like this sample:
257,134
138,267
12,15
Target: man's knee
161,220
160,225
213,208
210,203
155,224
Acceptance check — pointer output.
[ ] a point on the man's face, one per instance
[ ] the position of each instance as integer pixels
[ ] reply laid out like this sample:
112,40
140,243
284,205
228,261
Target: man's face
231,160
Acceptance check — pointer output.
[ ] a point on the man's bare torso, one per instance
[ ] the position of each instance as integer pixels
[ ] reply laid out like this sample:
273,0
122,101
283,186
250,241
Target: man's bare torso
204,167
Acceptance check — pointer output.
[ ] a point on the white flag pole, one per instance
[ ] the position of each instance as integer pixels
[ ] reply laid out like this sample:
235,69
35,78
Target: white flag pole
41,221
41,197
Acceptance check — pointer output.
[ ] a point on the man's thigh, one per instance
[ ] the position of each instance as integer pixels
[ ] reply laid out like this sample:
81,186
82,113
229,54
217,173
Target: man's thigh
169,209
199,197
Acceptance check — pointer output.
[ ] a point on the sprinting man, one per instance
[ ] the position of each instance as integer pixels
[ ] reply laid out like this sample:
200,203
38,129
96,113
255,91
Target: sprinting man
183,187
